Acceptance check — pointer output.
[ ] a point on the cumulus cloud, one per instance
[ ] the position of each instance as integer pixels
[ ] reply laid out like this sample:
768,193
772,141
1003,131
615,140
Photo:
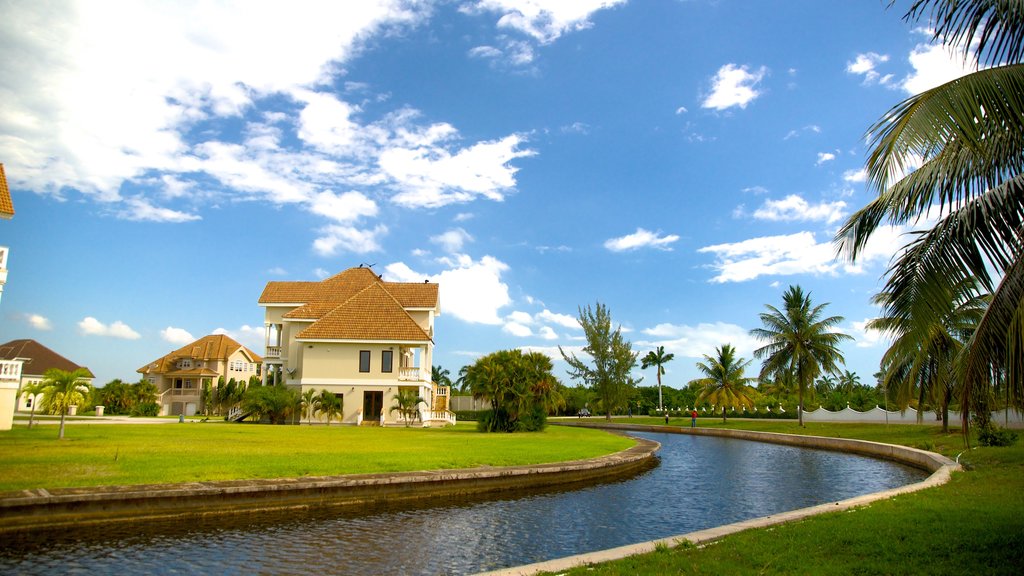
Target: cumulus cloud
348,239
252,337
178,336
453,240
696,341
543,21
866,65
39,322
793,208
90,326
825,157
641,239
472,291
866,337
934,65
734,86
563,320
854,176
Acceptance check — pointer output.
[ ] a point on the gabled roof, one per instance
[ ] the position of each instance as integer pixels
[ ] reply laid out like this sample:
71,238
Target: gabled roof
372,314
355,305
6,205
207,348
40,357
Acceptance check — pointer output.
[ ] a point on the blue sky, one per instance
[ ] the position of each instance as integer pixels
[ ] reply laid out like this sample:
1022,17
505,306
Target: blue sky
681,162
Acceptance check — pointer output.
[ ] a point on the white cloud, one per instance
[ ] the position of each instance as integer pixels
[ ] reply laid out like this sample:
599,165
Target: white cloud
517,329
696,341
434,177
866,65
640,239
865,337
349,239
277,271
252,337
793,208
343,208
825,157
39,322
734,86
934,65
563,320
520,317
547,333
178,336
141,210
471,291
93,327
321,273
453,240
855,175
544,21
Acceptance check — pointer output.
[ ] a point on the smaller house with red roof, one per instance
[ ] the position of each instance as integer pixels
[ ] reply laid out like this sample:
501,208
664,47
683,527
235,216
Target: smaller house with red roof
181,375
357,337
36,360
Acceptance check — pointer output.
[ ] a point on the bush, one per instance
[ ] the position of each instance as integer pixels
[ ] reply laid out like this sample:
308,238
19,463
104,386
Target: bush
467,415
991,435
146,409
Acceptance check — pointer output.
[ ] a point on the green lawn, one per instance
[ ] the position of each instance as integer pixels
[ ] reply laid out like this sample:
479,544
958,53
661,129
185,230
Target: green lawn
972,525
123,454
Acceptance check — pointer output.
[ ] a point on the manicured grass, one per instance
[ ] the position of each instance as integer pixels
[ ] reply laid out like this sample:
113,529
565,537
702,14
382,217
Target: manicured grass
124,454
972,525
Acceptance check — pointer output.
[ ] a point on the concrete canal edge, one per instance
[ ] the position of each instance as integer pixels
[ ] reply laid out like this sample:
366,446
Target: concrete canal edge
941,469
58,508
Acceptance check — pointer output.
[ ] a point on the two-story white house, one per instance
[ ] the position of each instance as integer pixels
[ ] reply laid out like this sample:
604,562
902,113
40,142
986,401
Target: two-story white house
358,337
181,375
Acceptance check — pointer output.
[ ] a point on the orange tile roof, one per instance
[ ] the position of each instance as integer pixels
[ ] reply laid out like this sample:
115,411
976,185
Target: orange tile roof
6,205
355,304
372,314
212,347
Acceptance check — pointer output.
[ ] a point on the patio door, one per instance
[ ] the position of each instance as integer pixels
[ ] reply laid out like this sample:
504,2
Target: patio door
372,404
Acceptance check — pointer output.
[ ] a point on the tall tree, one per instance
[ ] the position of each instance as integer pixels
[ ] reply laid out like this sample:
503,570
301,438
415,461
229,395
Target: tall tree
969,135
723,383
440,376
799,341
520,388
611,359
658,359
63,389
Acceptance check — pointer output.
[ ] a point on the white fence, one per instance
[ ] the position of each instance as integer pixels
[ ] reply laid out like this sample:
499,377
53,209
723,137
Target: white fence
1004,418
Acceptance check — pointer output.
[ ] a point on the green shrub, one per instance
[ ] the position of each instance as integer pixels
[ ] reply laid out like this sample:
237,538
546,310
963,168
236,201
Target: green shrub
146,409
467,415
991,435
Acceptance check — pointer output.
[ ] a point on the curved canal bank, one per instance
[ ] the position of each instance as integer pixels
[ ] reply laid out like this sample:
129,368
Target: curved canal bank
47,509
940,467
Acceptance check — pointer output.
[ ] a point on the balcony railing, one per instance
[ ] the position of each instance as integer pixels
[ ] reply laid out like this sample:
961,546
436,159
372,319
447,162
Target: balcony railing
412,375
273,352
10,370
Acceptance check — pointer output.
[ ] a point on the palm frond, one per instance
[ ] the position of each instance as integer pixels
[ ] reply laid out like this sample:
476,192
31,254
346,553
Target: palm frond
998,26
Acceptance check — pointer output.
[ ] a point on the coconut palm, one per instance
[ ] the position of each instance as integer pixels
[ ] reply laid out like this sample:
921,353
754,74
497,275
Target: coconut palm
63,389
440,376
848,381
799,341
723,383
407,403
309,404
32,390
927,346
658,359
330,405
969,137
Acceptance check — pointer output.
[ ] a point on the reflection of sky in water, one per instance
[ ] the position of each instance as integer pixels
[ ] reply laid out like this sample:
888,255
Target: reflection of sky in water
701,482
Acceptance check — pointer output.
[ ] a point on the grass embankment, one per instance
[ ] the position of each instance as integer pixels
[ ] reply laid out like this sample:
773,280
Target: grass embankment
974,524
126,454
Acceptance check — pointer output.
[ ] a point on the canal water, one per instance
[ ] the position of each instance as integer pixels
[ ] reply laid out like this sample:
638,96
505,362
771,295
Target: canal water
701,482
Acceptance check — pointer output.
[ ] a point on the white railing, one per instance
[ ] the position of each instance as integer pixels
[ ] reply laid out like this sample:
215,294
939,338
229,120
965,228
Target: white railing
411,374
273,352
442,390
10,370
446,416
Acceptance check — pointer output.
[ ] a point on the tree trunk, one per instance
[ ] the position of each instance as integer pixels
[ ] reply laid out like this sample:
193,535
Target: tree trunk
60,434
723,414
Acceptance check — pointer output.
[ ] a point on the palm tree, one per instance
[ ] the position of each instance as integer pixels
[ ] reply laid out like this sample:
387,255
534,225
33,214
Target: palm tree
658,359
927,346
330,405
309,404
32,389
407,403
723,382
799,341
969,134
440,376
63,389
848,381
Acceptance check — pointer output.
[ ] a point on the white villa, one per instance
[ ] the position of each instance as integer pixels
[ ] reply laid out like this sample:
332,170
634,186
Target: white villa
358,337
181,375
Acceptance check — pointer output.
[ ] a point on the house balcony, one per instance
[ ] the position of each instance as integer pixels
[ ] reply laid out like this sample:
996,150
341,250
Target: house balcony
273,353
413,375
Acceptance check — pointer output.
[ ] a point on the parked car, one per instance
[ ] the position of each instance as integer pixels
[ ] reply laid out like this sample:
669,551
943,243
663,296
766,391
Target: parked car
583,412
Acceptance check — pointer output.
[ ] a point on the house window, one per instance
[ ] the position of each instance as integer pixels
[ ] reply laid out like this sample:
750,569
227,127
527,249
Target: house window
364,360
386,360
188,383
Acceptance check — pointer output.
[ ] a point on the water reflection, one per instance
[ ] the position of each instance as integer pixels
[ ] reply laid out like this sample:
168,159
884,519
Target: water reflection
701,482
